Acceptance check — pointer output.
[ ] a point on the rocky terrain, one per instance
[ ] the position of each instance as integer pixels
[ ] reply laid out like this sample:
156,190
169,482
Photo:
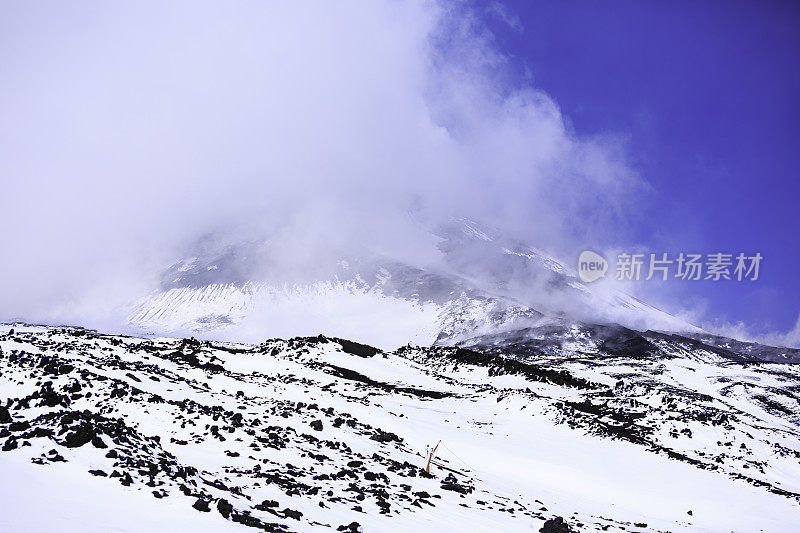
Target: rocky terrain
573,428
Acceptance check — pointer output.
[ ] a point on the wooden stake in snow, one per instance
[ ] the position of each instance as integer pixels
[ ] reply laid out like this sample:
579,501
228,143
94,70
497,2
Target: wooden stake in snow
430,456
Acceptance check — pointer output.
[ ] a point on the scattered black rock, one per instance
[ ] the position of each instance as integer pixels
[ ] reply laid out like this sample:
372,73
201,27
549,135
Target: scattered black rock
355,348
81,435
19,426
201,505
337,477
385,436
352,375
291,513
556,525
452,483
266,505
224,507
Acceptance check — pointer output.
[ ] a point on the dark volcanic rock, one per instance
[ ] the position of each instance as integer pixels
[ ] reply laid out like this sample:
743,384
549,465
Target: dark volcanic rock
385,436
556,525
76,438
224,507
266,505
201,505
355,348
452,483
19,426
291,513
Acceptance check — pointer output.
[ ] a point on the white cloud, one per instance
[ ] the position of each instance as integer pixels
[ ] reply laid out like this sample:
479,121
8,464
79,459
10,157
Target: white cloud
130,129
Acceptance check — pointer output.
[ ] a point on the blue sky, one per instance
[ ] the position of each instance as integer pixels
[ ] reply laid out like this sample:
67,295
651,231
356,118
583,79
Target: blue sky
706,96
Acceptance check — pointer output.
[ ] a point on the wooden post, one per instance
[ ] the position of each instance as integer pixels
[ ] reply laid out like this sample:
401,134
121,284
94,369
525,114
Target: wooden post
430,457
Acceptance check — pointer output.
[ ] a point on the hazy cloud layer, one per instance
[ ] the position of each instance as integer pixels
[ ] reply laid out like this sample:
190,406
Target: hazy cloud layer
132,129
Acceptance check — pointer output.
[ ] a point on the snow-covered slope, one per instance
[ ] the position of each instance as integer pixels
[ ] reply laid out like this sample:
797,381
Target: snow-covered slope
604,429
252,310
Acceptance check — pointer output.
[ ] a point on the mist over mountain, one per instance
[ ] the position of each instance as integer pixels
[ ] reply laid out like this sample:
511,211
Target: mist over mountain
459,278
129,139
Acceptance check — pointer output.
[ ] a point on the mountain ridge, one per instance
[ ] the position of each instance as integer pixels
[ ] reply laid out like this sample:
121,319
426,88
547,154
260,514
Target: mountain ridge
480,280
